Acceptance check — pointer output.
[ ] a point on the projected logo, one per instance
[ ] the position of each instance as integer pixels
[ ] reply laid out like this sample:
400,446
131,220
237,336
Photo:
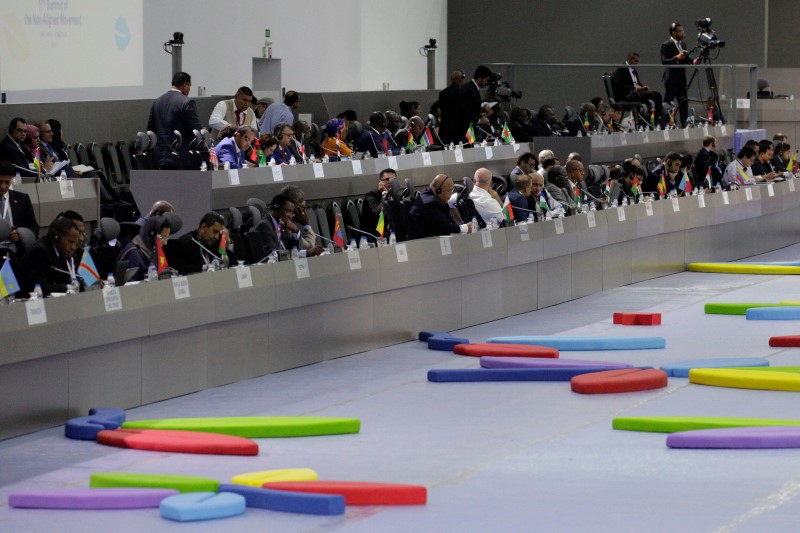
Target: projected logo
122,33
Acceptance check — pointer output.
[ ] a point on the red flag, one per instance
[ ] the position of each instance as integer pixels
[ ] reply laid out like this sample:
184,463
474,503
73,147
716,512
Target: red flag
338,236
212,158
162,259
223,245
386,146
254,152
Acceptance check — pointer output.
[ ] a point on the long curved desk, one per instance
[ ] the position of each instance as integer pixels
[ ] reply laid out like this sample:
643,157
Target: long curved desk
158,346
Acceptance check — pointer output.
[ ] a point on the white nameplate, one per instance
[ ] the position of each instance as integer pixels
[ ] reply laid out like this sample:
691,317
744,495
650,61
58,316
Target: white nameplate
748,193
233,176
724,128
705,131
67,189
591,220
489,152
725,199
791,185
36,312
686,133
676,207
354,259
701,201
444,243
356,166
393,162
646,138
559,226
243,277
459,155
516,147
112,299
180,286
523,232
402,253
648,208
667,135
277,173
621,213
319,172
486,238
770,190
623,141
301,268
426,159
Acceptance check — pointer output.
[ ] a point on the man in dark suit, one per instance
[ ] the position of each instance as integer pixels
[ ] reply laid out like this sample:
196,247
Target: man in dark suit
448,103
430,214
15,207
272,230
373,204
468,109
51,260
629,87
187,256
11,148
673,52
707,159
232,149
172,111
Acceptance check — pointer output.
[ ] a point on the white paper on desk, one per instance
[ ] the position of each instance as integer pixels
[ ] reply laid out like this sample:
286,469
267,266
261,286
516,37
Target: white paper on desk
516,147
489,152
591,220
646,138
58,165
401,252
112,299
444,243
523,232
791,185
686,133
559,222
459,155
426,159
724,129
770,190
180,286
319,172
623,140
277,173
354,259
725,199
67,189
301,268
667,134
486,238
705,131
244,277
748,193
356,166
701,200
648,208
621,214
36,313
393,162
675,205
233,176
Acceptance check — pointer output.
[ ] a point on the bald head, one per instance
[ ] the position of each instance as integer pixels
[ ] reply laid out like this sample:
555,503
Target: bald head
444,185
457,76
546,154
536,181
483,178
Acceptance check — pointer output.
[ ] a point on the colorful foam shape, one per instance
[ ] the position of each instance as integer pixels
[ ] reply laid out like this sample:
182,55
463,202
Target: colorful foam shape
530,362
153,481
681,369
789,369
567,343
425,335
785,341
623,380
737,438
360,492
774,313
255,427
734,308
95,499
780,263
672,424
745,379
790,302
100,418
742,268
257,479
288,501
637,319
505,350
464,375
202,506
171,440
445,343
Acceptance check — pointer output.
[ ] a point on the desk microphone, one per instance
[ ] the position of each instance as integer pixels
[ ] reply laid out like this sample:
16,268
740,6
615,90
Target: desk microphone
68,273
212,254
486,133
361,231
325,239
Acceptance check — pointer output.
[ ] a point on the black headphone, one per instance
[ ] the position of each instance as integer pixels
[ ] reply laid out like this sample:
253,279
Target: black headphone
279,136
53,231
438,189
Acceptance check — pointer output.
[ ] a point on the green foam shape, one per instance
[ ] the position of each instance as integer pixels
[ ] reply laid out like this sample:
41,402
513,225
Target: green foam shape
671,424
737,308
256,426
788,369
152,481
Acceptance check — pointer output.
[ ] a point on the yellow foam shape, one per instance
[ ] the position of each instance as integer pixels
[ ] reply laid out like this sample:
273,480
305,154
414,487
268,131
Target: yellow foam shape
745,379
790,302
743,268
257,479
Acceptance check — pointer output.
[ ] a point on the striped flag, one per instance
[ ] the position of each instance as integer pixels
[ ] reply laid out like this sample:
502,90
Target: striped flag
254,153
160,257
87,270
662,186
686,184
470,135
707,182
223,245
427,137
586,123
508,212
543,201
8,281
653,118
338,234
741,176
506,135
607,192
576,192
672,118
380,228
411,145
635,186
213,160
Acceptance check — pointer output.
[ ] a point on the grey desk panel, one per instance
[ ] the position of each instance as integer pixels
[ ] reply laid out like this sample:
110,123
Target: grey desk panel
105,375
622,231
697,216
648,226
645,260
555,245
296,337
349,326
674,220
425,264
617,267
174,364
86,200
480,259
231,302
168,314
397,310
522,252
113,326
595,237
672,252
770,204
237,349
587,272
520,289
700,246
554,280
479,301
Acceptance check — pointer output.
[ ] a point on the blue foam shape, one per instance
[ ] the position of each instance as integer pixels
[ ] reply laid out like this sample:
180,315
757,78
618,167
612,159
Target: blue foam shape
566,343
460,375
87,427
445,343
681,368
425,335
194,506
773,313
288,501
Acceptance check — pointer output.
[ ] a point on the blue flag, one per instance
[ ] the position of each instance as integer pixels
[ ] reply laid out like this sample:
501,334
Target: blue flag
87,270
8,281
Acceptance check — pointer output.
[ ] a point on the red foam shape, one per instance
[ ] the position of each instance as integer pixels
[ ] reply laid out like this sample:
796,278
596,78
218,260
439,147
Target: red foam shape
359,492
637,319
170,440
785,341
622,380
505,350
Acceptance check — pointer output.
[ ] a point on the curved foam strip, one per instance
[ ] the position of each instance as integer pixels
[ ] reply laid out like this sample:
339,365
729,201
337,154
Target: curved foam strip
566,343
505,350
445,344
787,369
86,427
681,369
255,426
288,501
671,424
360,492
202,506
745,379
624,380
774,313
734,308
154,481
737,438
785,341
463,375
742,268
790,302
425,335
171,440
529,362
778,263
257,479
90,498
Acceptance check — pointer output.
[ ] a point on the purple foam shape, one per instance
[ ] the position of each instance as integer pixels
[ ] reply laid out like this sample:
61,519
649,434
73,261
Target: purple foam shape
532,362
105,498
737,438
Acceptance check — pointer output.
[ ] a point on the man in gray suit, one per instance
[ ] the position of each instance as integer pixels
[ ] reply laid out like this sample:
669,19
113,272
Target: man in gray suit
172,111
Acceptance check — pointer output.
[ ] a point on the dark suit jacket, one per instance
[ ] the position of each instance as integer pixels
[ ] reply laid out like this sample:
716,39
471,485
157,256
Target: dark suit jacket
36,268
705,160
16,155
448,103
430,216
371,141
623,87
173,111
668,52
371,211
269,237
185,256
22,211
468,110
516,200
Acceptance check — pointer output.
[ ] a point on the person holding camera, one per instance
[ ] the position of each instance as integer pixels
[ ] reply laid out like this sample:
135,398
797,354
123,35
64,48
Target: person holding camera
673,52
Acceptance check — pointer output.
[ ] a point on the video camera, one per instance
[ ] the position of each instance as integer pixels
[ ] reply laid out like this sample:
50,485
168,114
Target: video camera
707,39
501,91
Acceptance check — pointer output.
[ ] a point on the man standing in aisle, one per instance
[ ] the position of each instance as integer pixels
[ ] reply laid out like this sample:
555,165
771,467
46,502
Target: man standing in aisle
172,111
673,52
235,111
279,113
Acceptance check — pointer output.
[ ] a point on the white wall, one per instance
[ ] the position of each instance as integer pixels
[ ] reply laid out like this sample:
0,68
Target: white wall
347,45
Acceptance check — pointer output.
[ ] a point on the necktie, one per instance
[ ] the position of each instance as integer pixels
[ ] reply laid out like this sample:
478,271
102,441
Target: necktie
238,118
4,208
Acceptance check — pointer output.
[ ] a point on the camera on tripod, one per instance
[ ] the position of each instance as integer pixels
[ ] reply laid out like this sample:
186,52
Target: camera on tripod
707,39
501,91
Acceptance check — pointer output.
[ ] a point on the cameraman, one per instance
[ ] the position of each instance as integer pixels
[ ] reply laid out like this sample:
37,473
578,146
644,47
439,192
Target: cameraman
673,52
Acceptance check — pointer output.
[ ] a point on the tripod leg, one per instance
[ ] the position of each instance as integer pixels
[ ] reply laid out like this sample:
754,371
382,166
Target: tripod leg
712,89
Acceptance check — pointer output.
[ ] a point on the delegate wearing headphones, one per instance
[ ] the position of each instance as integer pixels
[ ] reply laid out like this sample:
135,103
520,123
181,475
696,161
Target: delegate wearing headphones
430,214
